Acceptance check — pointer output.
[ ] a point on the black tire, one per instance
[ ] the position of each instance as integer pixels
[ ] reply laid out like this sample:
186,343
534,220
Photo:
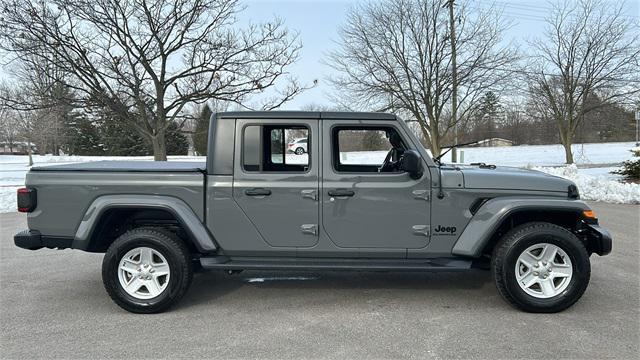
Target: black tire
176,255
512,244
299,151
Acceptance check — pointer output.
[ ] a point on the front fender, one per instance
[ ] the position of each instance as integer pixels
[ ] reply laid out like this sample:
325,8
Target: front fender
201,237
490,216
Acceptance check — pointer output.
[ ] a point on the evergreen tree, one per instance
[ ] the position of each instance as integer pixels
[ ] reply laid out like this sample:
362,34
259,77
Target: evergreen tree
82,137
373,140
484,121
177,143
202,130
631,168
119,139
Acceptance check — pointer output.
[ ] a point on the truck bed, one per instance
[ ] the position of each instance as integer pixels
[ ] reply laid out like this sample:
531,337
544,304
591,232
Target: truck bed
128,166
65,192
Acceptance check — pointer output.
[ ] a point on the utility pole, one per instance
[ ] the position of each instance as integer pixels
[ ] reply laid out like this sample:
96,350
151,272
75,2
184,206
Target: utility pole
454,76
637,123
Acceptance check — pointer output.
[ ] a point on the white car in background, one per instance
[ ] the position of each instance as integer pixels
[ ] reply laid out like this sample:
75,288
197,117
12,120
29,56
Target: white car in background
298,146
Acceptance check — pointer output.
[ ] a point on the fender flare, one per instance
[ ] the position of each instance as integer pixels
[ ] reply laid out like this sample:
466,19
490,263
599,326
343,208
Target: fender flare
490,216
201,237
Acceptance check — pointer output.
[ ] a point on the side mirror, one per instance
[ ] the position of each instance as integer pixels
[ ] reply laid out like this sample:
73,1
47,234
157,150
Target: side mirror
412,163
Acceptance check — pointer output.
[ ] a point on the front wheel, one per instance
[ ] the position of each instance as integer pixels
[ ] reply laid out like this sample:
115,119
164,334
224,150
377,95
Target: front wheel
541,267
147,270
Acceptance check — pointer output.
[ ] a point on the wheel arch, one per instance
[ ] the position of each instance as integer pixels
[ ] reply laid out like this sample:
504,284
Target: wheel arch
497,216
110,215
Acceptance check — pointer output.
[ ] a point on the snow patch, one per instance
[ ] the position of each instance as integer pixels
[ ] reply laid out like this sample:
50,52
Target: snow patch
597,187
546,155
8,199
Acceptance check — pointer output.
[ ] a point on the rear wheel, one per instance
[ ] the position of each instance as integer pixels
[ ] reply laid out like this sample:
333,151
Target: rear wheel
147,270
299,151
541,267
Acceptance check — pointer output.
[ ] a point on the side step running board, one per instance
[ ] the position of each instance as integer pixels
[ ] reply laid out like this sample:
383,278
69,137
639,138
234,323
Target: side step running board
248,263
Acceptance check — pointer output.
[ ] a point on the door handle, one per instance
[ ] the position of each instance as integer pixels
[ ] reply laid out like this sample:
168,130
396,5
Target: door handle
310,194
422,230
257,192
341,192
311,229
421,194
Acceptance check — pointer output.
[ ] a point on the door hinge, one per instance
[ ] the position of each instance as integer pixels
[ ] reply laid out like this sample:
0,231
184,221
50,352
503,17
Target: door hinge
310,194
421,195
422,230
311,229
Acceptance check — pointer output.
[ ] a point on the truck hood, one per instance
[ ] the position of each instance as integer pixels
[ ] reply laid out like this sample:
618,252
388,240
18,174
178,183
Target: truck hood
503,177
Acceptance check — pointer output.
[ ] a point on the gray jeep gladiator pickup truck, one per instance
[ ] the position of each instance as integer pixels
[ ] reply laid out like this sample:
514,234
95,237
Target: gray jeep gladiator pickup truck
365,195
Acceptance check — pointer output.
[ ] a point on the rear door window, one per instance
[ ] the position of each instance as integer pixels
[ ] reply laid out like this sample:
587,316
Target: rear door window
268,148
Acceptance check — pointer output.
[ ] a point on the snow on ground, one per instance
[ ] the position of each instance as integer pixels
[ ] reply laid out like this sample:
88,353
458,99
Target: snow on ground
597,187
8,198
595,162
547,155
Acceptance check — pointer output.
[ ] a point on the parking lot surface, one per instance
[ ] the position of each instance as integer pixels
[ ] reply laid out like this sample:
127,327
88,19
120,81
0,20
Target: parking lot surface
53,305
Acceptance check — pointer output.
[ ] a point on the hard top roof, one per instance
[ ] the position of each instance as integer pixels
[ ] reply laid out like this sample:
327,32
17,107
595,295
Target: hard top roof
304,115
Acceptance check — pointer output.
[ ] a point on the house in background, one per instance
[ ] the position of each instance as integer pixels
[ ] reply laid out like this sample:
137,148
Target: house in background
492,142
16,148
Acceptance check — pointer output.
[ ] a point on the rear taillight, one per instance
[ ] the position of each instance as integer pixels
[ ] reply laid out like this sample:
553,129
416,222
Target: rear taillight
27,199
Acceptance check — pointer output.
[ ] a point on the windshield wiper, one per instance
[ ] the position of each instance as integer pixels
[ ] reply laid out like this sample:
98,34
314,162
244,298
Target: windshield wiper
437,158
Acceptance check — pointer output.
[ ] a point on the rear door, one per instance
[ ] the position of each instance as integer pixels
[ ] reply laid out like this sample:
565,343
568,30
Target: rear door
363,207
276,188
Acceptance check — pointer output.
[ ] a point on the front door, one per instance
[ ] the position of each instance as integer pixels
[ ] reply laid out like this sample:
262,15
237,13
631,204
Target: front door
367,201
276,187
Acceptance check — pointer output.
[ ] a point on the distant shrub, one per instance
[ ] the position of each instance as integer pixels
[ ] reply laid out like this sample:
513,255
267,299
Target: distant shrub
631,168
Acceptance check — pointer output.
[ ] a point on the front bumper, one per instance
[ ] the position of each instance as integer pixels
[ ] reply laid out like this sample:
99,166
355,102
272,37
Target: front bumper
33,240
599,239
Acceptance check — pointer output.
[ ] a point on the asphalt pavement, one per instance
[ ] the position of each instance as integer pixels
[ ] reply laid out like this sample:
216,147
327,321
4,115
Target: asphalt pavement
53,305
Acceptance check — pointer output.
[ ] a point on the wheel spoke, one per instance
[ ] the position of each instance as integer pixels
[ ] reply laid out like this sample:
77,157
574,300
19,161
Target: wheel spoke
561,271
547,287
133,286
550,254
528,279
160,269
146,255
528,259
130,261
129,266
543,252
153,287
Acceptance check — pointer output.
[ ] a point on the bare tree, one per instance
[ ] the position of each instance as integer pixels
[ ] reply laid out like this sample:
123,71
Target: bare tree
39,86
8,126
21,125
147,60
589,47
516,124
396,55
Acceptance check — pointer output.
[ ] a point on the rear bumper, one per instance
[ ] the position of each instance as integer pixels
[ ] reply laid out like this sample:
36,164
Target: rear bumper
32,240
599,240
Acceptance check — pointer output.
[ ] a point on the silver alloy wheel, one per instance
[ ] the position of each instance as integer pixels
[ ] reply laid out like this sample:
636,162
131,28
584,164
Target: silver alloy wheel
143,273
299,151
543,270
